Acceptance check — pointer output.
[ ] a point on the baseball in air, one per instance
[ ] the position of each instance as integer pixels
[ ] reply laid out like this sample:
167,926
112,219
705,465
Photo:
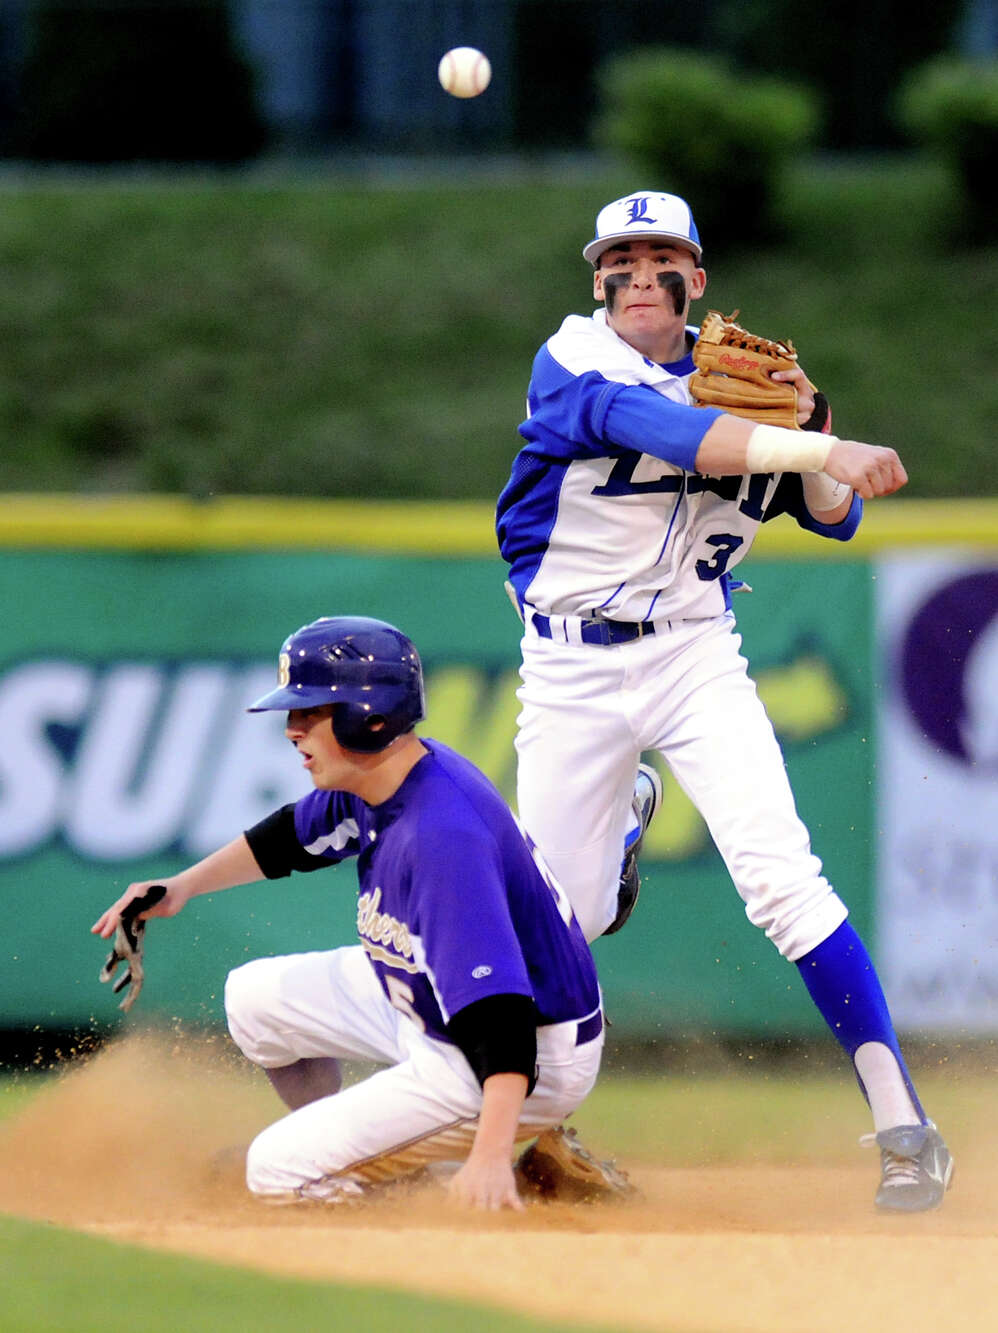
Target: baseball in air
464,72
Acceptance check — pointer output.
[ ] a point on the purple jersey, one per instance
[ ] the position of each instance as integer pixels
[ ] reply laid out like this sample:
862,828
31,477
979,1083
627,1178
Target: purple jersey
454,904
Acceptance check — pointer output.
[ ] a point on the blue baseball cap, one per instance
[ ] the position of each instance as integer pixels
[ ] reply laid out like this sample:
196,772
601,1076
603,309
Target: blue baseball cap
641,215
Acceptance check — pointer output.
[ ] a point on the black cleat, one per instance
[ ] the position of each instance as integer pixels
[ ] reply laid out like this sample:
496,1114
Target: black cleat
647,799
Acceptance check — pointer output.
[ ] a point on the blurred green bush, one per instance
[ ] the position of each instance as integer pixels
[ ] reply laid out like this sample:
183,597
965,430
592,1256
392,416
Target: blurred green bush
322,337
950,107
693,125
853,54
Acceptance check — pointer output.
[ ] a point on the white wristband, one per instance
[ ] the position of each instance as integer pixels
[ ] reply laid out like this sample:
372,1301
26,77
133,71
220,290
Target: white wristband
774,449
822,492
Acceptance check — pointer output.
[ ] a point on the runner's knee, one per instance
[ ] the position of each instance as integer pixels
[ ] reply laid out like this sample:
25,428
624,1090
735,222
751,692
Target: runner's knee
251,1005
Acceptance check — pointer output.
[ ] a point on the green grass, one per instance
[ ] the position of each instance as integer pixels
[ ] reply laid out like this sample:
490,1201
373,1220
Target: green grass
60,1280
790,1116
232,335
55,1279
730,1111
17,1090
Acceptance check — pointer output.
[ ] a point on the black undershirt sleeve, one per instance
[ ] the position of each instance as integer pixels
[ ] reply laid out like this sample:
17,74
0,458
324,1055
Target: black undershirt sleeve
275,845
498,1035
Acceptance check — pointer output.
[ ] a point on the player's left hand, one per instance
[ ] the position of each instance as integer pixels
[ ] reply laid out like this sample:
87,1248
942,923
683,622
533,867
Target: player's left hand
485,1183
805,391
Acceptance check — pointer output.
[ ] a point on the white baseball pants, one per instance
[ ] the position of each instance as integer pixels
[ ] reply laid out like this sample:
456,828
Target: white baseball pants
588,713
422,1108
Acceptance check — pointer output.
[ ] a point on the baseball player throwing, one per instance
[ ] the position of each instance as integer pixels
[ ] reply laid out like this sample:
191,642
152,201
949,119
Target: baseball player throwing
624,518
472,981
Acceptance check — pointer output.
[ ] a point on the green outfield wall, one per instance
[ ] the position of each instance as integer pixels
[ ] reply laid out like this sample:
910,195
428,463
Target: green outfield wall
136,631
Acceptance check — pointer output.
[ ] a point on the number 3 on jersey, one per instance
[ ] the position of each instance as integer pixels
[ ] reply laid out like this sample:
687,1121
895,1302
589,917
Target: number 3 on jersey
725,544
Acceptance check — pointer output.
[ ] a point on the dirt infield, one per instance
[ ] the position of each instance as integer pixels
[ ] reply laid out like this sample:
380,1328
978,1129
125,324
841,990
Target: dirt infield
121,1147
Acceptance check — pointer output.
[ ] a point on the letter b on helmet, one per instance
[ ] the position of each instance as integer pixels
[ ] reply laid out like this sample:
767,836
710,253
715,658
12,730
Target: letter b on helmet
367,669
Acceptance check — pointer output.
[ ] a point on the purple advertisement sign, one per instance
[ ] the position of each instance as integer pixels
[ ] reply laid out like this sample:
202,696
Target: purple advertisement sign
937,899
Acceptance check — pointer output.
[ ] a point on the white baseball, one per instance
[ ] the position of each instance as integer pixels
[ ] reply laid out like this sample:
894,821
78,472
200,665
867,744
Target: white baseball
464,72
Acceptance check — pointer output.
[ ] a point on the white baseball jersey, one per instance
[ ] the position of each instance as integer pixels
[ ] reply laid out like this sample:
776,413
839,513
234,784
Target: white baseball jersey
604,512
605,518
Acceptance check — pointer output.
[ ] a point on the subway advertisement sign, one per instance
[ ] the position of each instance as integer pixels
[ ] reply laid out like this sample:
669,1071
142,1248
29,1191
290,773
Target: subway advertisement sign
127,753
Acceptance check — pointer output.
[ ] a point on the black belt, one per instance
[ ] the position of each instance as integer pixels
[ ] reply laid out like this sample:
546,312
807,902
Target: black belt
589,1029
605,632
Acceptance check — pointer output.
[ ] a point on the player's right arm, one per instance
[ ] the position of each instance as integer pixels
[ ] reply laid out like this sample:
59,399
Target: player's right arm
734,444
575,413
485,1179
226,868
725,445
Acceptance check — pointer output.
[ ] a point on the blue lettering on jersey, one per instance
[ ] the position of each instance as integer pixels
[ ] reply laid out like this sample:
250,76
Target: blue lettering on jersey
725,544
621,479
621,482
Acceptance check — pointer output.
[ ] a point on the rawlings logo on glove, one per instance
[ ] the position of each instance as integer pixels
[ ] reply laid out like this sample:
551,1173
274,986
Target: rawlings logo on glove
734,372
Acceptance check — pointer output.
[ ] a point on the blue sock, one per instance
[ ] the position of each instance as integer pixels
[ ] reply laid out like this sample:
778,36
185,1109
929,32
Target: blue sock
843,983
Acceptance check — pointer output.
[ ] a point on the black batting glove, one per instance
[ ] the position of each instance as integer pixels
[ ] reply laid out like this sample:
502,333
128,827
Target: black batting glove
127,946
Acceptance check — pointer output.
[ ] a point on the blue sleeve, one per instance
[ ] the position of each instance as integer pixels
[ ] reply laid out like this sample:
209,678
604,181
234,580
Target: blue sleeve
574,416
788,498
641,419
567,412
